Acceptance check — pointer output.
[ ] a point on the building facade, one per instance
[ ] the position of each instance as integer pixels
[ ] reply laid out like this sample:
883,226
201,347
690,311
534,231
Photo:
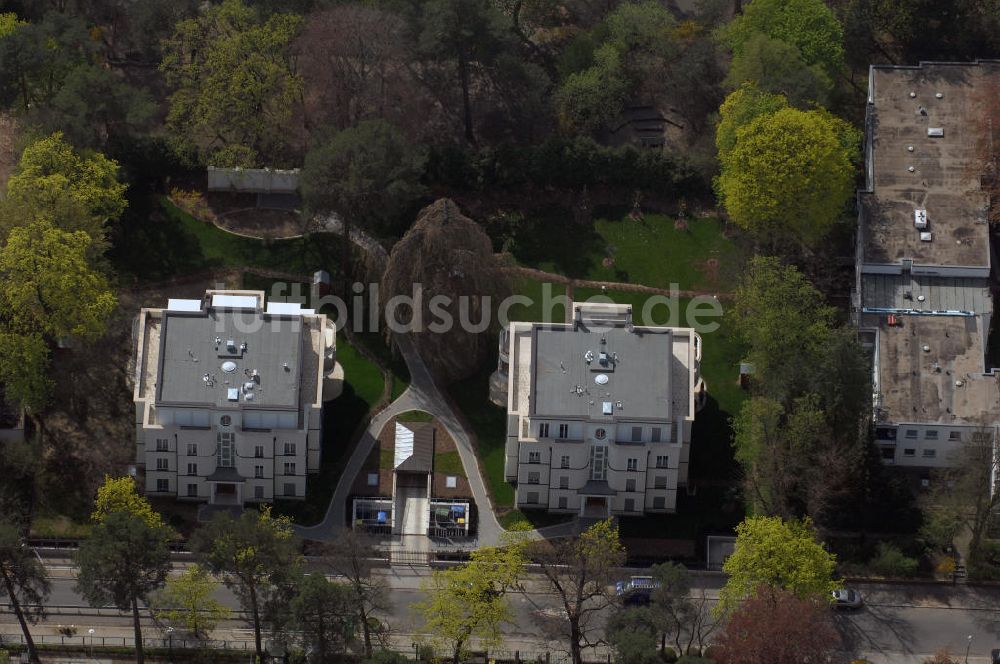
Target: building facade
922,297
229,397
599,411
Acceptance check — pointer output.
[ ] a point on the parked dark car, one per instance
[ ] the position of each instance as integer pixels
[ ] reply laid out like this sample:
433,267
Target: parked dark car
637,591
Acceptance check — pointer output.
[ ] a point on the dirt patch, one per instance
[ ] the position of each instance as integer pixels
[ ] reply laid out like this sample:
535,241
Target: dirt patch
710,269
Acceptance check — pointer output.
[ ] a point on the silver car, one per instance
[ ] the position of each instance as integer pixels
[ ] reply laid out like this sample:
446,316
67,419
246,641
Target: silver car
846,598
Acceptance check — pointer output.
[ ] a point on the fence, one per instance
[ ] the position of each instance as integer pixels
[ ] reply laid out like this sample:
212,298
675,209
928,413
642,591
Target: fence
87,641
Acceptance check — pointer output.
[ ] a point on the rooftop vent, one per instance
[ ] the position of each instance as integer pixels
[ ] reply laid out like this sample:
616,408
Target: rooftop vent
231,345
935,132
248,386
602,358
912,94
925,348
920,218
909,148
921,298
958,383
229,366
926,236
284,365
606,407
243,347
910,168
233,394
940,95
588,356
601,379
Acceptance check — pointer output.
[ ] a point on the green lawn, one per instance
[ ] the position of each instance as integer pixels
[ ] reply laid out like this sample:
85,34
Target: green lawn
489,423
172,242
547,303
449,463
414,416
650,252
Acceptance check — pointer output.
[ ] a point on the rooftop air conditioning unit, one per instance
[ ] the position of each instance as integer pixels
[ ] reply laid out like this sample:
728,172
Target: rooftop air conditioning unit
935,132
920,219
925,236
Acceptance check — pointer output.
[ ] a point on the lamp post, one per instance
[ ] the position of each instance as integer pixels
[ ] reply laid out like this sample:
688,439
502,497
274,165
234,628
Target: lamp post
91,632
170,643
968,646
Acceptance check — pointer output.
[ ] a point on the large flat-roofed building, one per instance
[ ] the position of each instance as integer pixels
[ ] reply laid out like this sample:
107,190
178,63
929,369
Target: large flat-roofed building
599,411
229,397
923,297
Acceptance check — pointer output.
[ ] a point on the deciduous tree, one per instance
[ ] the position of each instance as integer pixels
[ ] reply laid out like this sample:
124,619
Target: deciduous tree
257,556
350,556
808,25
121,563
324,613
119,494
234,82
580,571
186,600
773,554
24,581
633,634
739,109
471,600
24,369
778,627
589,100
788,176
775,66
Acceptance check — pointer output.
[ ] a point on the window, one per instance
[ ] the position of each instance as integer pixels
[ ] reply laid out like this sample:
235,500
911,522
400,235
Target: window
911,434
258,472
599,463
533,478
289,489
162,486
564,482
192,490
630,484
662,461
192,469
955,435
532,498
659,503
162,464
543,430
564,431
660,482
630,504
289,449
636,434
192,449
258,451
563,502
655,434
162,445
224,443
931,434
909,451
289,468
632,465
564,462
930,454
372,479
534,457
258,492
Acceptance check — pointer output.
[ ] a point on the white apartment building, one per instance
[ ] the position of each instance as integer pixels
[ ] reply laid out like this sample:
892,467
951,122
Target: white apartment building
599,411
229,397
922,296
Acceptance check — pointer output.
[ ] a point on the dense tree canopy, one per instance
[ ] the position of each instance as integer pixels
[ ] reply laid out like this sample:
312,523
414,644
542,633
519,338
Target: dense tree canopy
740,108
808,25
775,66
235,85
788,176
773,554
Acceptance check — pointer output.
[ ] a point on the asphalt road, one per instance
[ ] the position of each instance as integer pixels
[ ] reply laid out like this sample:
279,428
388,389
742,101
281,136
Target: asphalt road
898,623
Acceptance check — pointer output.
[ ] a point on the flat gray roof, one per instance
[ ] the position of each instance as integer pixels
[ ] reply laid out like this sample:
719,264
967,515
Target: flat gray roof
637,372
944,181
943,384
926,293
191,363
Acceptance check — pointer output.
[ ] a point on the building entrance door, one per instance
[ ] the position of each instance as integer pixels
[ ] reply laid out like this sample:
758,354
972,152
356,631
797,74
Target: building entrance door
595,507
